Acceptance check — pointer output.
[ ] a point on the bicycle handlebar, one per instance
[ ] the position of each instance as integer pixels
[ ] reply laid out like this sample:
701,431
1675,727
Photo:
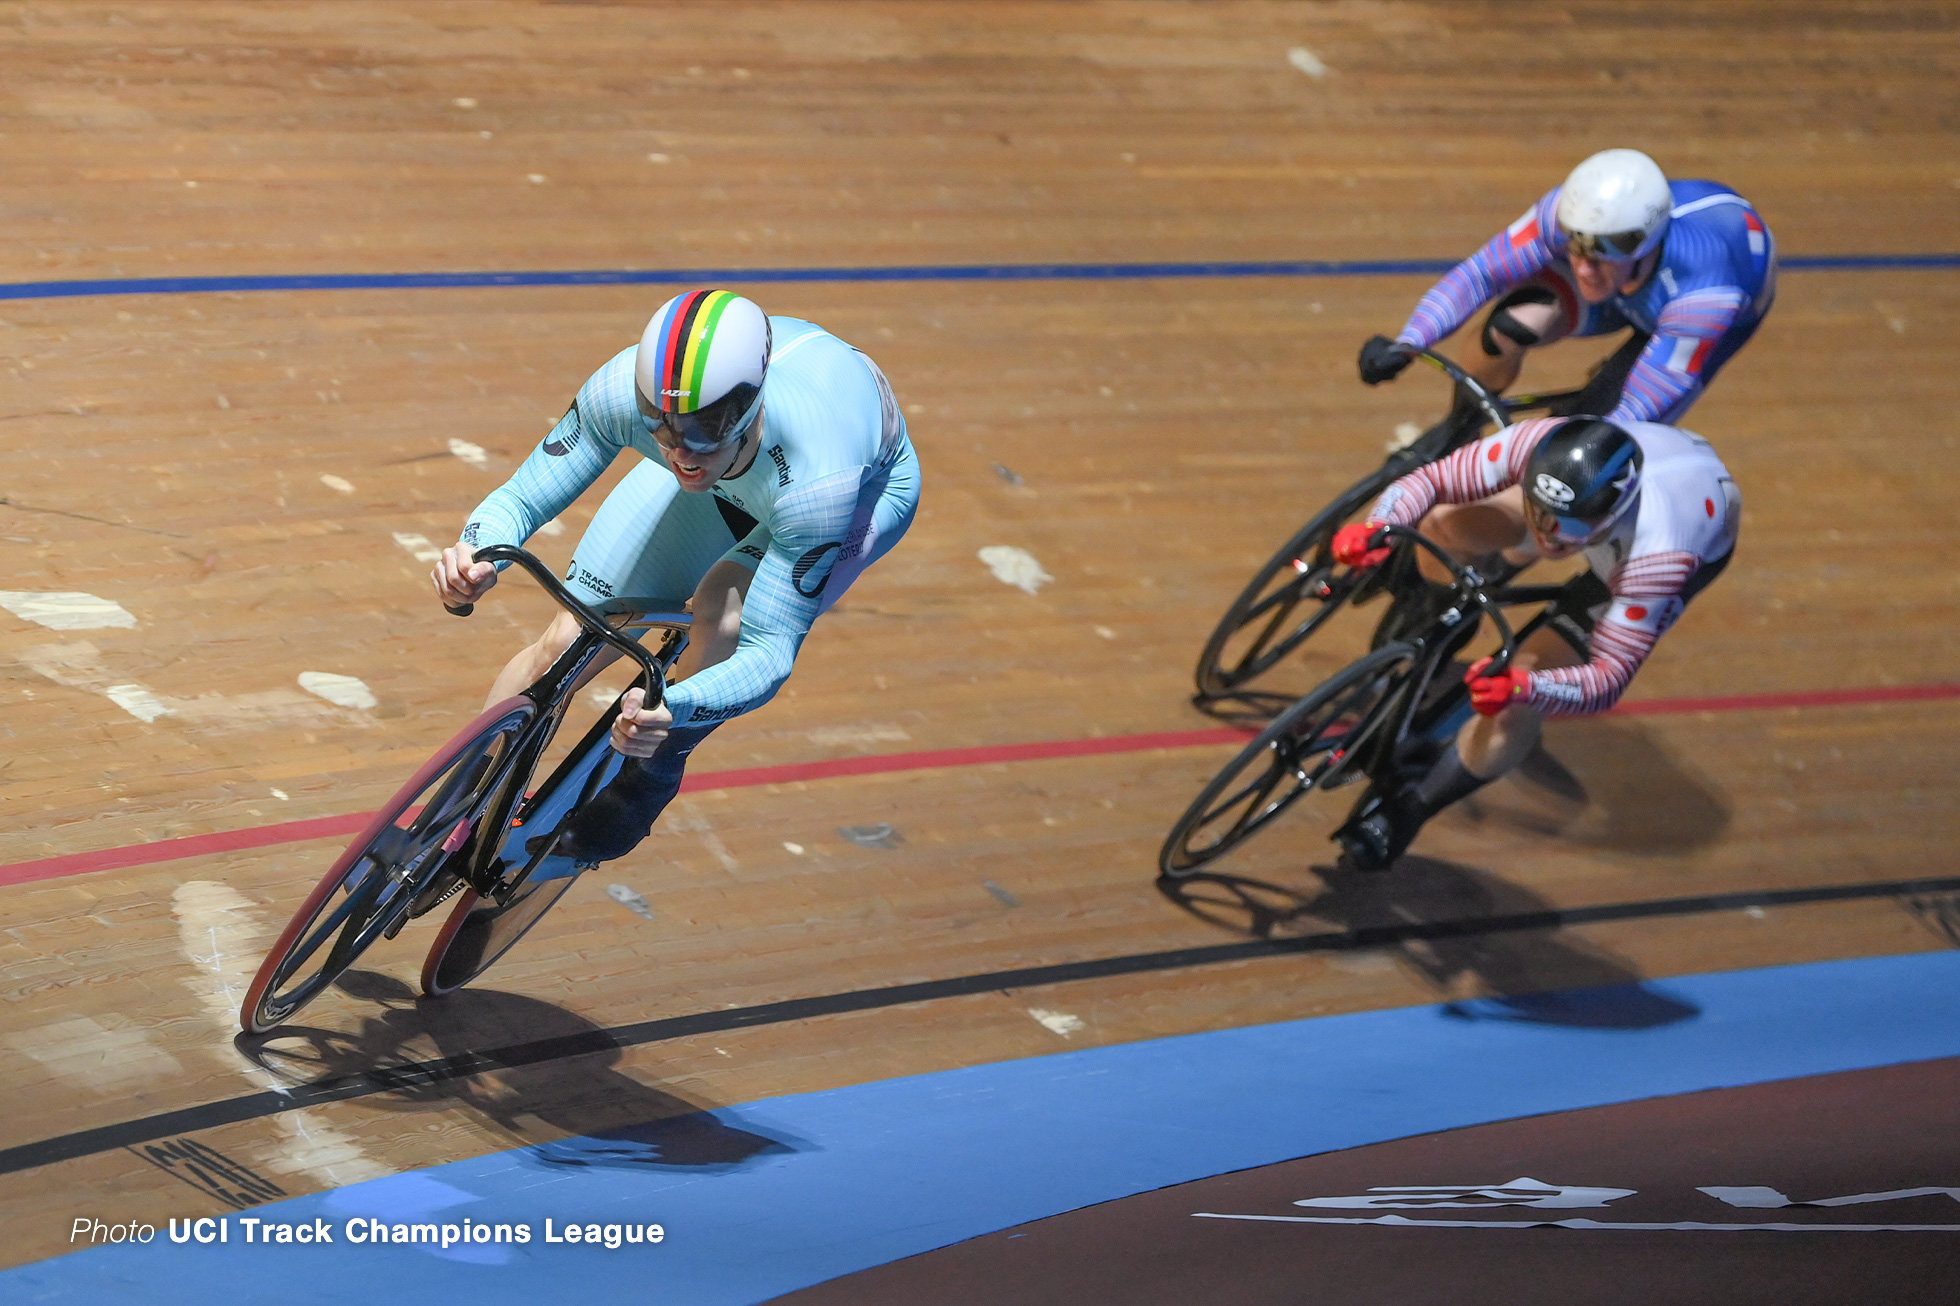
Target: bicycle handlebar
1470,585
654,683
1493,407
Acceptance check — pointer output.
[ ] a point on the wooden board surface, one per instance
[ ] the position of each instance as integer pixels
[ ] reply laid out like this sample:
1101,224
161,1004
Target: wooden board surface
168,452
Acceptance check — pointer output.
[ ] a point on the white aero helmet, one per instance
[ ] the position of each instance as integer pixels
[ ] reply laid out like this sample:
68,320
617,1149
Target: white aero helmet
700,367
1615,206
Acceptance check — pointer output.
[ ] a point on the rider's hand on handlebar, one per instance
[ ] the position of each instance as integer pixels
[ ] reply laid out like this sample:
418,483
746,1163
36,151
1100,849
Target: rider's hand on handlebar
1351,545
1492,694
1383,359
458,580
637,733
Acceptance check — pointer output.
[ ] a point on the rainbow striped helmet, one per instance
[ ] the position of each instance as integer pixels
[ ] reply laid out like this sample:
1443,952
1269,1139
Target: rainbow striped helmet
700,367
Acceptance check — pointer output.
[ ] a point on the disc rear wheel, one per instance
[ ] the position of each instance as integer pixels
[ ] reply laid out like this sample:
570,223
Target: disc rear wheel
479,931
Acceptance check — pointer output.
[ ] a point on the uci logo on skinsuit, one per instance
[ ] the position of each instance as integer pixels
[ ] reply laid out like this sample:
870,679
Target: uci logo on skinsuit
1554,489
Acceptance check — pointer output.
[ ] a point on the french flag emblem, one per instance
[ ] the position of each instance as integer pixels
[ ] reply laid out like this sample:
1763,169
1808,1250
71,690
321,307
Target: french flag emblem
1757,238
1689,354
1524,230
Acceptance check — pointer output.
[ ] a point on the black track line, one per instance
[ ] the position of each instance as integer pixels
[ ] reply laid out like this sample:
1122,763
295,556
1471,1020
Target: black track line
420,1074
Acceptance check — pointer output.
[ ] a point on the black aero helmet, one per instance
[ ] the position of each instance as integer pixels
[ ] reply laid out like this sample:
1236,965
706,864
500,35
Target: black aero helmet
1581,479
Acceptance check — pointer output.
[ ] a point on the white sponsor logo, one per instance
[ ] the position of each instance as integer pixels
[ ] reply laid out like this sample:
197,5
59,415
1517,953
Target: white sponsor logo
1540,1195
1519,1192
1554,489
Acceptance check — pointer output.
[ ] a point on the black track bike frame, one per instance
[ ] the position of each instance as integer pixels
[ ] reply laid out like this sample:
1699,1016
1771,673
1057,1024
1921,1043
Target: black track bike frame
478,865
1276,610
1417,719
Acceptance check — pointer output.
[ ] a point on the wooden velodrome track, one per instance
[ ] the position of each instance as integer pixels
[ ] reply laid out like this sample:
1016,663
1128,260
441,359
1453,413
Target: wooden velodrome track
237,469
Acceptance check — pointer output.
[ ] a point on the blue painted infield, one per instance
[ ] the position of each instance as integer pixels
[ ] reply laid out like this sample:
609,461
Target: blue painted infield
946,272
763,1198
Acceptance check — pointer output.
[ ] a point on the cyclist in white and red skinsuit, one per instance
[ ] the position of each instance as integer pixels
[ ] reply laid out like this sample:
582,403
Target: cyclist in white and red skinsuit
1656,515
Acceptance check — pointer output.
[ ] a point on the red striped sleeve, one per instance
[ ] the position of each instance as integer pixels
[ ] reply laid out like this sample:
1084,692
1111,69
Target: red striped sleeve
1473,472
1646,601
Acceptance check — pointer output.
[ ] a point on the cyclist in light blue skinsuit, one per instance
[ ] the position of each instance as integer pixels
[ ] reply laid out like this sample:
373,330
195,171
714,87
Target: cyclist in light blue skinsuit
777,469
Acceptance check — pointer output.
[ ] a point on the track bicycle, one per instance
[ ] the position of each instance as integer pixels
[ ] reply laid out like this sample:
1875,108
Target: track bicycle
466,828
1378,724
1300,588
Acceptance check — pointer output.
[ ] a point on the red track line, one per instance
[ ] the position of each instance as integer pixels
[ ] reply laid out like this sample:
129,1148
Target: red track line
169,850
265,836
883,763
1765,702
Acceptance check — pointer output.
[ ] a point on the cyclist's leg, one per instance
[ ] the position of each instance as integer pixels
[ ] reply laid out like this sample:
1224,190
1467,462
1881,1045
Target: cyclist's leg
1489,534
1469,531
649,537
1485,747
1544,309
717,609
620,816
1490,746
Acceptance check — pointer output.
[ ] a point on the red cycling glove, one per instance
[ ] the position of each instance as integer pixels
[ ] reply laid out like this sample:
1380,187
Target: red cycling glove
1350,545
1492,694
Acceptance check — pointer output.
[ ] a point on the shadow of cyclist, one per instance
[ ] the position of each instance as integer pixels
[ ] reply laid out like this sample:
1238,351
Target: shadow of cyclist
1606,784
1537,975
570,1104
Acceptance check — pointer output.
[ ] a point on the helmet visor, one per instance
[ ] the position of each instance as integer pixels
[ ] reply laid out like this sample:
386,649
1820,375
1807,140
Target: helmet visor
706,430
1614,247
1565,530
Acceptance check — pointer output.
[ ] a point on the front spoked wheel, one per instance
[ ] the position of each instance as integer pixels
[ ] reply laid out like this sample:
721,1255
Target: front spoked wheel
1289,599
398,863
1312,747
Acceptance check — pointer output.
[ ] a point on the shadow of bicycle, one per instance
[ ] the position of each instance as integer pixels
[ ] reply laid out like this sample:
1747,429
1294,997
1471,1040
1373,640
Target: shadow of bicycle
1537,975
574,1110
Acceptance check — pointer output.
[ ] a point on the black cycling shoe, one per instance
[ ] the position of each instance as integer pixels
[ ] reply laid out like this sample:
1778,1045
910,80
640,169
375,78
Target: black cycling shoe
1377,834
1365,844
1369,836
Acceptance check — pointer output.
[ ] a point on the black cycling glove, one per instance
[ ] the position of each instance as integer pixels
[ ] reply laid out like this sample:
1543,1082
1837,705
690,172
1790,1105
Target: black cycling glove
1382,360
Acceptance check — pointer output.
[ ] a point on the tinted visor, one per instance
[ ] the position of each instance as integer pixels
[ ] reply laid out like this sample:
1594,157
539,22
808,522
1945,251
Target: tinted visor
1615,247
709,429
1566,530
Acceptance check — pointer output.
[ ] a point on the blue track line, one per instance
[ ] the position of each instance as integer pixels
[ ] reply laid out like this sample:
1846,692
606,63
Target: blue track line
949,272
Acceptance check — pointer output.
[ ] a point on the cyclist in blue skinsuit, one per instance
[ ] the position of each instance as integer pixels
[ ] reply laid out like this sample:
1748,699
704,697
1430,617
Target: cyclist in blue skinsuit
1688,265
777,468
